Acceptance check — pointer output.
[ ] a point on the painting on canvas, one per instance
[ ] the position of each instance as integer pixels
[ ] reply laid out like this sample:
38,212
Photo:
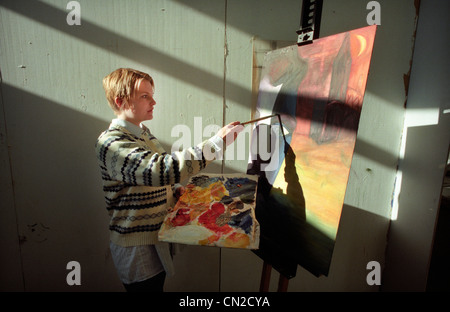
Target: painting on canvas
215,210
318,91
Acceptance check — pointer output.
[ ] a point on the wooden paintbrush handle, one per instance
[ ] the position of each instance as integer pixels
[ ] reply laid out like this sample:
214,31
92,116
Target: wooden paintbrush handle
256,120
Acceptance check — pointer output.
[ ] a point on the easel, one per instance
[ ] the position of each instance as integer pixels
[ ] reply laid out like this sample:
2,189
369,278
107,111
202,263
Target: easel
283,281
310,21
309,30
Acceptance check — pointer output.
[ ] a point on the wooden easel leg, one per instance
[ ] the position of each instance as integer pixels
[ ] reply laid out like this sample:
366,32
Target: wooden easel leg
283,283
265,277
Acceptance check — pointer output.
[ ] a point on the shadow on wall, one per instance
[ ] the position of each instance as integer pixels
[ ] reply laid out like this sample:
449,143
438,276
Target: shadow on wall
58,193
115,43
57,188
426,155
110,41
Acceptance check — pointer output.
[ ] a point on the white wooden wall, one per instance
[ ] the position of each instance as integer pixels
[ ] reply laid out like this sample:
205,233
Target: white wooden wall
200,54
424,155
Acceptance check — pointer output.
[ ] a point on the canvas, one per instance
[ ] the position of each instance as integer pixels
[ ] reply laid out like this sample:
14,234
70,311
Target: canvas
317,90
215,210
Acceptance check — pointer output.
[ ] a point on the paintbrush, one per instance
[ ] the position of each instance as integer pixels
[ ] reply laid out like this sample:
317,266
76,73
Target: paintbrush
258,119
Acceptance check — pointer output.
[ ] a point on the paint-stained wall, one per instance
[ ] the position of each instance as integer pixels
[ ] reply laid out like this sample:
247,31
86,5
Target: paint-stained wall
200,54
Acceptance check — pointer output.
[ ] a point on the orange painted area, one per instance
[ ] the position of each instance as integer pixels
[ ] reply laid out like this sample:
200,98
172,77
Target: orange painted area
237,240
323,174
198,195
209,240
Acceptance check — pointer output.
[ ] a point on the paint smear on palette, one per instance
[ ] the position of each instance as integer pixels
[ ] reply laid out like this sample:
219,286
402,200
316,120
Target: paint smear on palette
215,210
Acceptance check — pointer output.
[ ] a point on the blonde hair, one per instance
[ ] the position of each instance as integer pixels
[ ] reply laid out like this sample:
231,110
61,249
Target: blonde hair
121,83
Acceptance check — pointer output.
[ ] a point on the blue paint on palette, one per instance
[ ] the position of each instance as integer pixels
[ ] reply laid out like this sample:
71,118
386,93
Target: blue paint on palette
241,187
242,220
204,180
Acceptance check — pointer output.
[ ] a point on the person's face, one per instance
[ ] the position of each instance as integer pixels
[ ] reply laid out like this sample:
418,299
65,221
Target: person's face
141,104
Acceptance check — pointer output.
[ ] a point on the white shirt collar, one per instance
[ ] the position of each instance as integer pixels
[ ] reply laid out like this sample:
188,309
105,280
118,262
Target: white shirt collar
137,131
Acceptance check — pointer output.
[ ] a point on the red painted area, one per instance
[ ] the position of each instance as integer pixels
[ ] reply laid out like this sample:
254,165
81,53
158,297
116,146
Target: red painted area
181,218
208,219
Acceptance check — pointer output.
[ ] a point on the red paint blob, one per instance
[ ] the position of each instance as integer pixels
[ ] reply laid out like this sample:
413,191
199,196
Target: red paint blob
208,219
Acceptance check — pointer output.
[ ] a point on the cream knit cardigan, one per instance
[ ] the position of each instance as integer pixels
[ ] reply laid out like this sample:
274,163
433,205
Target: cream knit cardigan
138,179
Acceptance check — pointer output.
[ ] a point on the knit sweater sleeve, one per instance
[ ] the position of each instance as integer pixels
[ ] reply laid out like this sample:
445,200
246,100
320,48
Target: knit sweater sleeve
127,159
